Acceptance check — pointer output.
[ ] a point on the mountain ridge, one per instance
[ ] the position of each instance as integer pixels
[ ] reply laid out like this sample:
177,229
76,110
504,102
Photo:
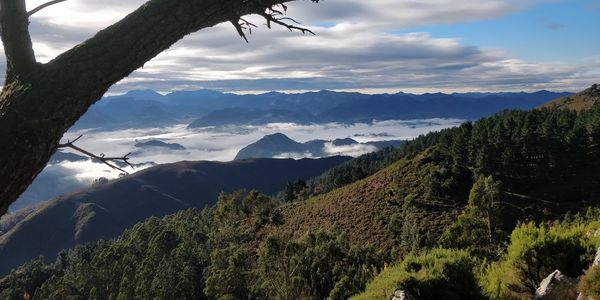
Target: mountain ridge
577,102
105,210
211,108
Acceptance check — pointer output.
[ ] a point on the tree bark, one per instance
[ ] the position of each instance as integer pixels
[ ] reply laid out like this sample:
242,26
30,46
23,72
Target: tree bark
40,102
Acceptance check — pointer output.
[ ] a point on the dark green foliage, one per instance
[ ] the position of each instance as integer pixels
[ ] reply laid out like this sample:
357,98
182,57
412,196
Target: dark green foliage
316,266
523,149
410,235
477,229
26,281
296,190
216,253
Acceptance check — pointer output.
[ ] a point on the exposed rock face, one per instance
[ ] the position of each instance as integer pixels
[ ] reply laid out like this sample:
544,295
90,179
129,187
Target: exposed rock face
597,258
557,287
403,295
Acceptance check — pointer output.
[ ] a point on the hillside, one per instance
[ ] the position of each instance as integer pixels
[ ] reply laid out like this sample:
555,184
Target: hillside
578,102
546,160
104,211
365,210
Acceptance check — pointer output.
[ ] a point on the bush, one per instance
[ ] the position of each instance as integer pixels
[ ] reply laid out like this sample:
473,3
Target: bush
589,285
535,252
437,274
319,265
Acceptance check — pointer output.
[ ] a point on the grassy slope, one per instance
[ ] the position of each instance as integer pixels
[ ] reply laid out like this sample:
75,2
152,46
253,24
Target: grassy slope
578,102
363,209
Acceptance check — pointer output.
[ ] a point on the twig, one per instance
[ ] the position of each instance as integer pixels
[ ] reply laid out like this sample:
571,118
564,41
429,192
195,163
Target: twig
272,15
240,25
276,16
49,3
101,157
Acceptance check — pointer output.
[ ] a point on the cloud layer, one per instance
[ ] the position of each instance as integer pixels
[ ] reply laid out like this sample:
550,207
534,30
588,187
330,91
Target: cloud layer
216,144
361,45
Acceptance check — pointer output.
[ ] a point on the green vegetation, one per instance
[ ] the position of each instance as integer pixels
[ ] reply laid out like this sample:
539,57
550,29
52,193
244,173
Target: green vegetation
536,251
296,190
477,229
521,149
436,274
216,253
589,286
481,211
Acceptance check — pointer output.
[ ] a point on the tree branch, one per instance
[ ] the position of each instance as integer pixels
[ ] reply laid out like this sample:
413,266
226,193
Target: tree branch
39,103
273,15
241,25
127,45
14,25
101,158
33,11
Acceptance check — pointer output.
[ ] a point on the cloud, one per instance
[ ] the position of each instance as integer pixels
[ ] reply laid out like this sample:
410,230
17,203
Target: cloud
358,47
65,177
348,150
294,155
216,144
223,143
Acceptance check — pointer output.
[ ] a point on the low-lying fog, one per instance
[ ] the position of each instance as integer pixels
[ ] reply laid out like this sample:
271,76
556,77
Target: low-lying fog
217,144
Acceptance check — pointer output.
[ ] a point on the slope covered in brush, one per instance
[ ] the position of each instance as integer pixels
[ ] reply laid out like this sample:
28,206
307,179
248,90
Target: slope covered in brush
578,102
546,161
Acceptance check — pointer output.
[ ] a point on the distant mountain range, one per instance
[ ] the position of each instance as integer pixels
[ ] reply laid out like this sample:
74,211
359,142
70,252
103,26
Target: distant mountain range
139,109
105,210
578,102
279,145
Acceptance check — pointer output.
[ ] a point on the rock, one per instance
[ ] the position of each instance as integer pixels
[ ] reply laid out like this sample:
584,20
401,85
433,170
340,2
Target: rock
403,295
597,258
557,287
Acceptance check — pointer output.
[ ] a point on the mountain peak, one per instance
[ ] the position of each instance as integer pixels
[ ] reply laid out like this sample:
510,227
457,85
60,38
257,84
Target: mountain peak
276,136
144,94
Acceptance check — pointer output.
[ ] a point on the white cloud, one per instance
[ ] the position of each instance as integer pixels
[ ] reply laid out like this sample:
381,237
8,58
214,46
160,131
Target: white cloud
348,150
223,143
217,144
355,49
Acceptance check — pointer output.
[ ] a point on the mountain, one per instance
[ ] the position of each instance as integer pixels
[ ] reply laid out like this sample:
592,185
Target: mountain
60,156
578,102
105,210
280,145
464,213
252,116
159,144
139,109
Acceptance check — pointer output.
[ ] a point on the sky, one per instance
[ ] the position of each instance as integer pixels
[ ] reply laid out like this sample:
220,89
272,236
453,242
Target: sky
371,46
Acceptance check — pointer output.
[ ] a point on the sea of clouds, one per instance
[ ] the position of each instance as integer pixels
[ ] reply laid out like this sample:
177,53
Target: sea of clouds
210,143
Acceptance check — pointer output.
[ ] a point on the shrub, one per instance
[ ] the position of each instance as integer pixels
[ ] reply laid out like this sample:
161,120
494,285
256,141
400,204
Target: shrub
535,252
589,285
437,274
